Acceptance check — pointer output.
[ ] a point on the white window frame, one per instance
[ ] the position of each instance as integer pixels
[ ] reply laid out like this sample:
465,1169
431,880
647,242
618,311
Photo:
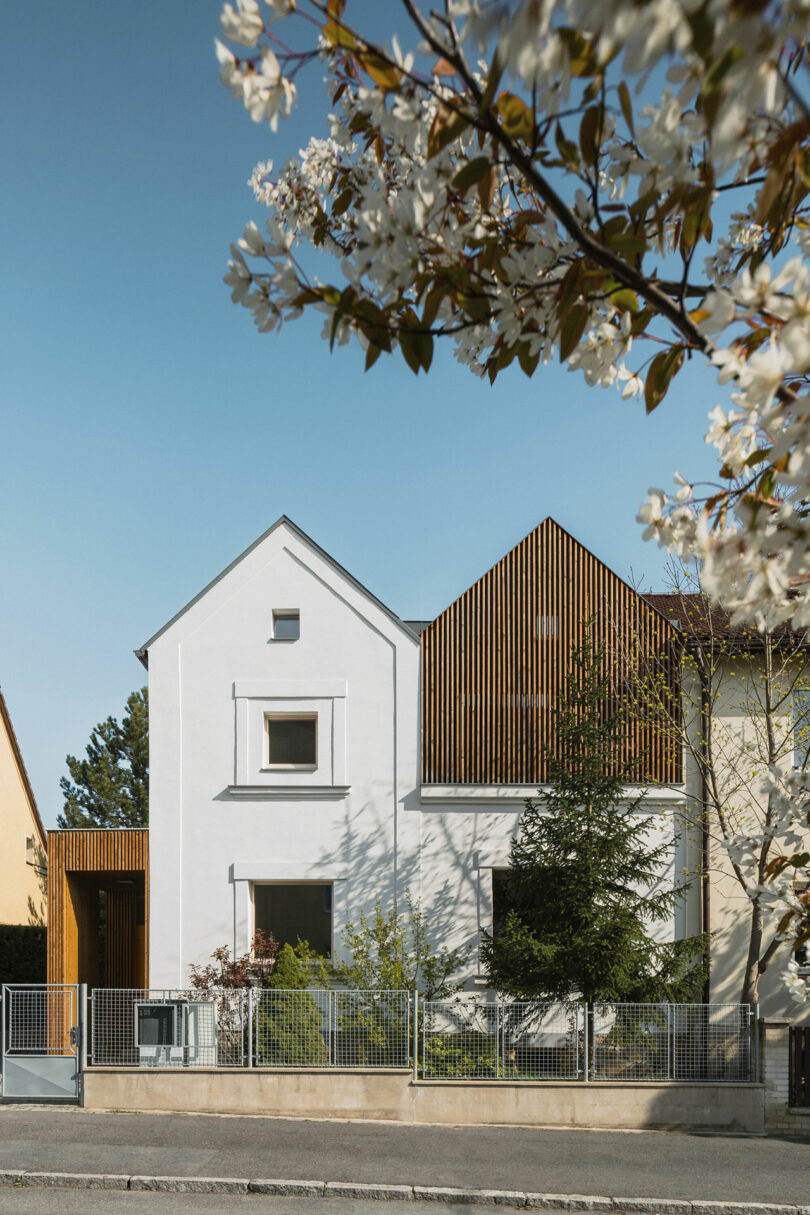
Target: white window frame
254,701
276,767
285,613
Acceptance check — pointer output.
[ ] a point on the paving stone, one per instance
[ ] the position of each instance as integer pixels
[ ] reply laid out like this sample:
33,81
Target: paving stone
364,1189
191,1185
79,1181
311,1189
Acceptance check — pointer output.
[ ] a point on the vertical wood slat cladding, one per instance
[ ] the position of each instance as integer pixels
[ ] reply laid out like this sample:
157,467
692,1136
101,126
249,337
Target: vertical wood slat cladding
494,664
79,863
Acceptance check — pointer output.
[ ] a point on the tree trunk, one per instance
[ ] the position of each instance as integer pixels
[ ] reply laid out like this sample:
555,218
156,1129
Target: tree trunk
750,989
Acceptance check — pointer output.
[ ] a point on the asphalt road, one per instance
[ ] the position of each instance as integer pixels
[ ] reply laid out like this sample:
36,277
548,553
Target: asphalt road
634,1165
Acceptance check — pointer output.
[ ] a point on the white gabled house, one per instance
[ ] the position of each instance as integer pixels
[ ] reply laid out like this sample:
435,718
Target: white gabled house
311,752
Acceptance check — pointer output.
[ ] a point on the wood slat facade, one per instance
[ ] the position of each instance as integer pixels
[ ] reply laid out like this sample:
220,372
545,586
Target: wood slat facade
80,865
494,663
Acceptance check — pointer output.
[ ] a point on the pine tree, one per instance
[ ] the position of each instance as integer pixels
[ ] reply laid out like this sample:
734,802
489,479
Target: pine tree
289,1020
584,883
110,788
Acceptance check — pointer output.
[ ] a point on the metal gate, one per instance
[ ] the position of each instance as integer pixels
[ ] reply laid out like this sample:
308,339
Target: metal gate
41,1042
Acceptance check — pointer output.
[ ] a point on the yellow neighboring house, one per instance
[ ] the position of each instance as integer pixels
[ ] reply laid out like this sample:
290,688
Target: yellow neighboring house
23,844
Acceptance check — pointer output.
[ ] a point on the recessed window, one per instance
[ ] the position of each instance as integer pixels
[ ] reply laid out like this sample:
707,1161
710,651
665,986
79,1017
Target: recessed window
501,900
30,851
292,740
286,625
295,912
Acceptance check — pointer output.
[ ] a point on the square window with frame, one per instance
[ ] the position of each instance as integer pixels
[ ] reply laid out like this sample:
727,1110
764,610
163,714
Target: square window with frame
292,740
286,624
293,911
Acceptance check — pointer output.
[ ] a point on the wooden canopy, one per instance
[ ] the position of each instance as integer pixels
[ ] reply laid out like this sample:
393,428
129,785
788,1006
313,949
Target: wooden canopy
98,907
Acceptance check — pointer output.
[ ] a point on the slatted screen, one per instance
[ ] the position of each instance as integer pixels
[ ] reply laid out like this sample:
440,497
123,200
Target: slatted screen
494,663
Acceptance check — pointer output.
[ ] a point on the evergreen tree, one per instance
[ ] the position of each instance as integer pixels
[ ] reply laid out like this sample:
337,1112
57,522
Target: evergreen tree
584,883
110,788
289,1020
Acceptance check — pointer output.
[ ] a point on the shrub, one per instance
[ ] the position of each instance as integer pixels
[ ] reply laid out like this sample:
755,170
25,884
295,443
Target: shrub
23,953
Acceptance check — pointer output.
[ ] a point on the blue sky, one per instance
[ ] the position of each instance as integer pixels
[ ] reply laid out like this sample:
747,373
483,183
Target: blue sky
148,433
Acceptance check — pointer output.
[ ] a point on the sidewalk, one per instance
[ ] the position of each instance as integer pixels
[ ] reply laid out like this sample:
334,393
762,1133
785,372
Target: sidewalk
642,1165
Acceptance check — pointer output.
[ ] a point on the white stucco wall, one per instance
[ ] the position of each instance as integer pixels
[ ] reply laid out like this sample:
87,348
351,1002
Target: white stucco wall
210,674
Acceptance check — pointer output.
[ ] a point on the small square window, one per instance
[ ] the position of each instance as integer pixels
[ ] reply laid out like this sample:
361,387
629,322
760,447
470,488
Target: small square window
292,741
286,625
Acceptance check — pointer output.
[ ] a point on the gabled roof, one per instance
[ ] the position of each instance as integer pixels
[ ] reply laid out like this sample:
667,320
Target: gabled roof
283,521
15,750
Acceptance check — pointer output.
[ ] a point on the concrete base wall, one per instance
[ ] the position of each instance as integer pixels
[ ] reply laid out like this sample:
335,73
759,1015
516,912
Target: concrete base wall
393,1095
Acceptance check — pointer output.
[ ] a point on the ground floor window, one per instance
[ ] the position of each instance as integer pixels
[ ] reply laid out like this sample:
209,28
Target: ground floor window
501,901
293,912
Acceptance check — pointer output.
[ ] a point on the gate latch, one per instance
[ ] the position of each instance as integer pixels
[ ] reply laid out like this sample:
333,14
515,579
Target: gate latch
74,1035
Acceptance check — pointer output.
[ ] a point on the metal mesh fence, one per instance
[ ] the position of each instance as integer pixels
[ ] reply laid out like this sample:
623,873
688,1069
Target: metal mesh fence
331,1028
169,1027
457,1039
40,1020
466,1039
672,1042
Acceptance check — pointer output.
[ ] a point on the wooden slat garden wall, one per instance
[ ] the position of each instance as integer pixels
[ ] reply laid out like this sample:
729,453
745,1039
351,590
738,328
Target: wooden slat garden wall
79,864
494,663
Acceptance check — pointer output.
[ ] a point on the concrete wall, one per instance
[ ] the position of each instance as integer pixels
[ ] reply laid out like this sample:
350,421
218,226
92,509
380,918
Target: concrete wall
775,1062
394,1096
22,886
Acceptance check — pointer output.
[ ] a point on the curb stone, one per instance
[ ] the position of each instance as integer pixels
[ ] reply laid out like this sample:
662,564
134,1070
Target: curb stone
309,1189
440,1193
79,1181
597,1204
364,1189
191,1185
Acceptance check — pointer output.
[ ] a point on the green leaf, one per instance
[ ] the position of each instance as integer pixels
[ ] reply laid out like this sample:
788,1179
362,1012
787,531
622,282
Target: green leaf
342,202
571,329
662,369
528,362
470,173
627,107
625,299
447,125
410,352
372,354
432,301
589,130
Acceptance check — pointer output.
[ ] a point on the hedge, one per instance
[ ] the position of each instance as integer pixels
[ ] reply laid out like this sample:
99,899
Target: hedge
23,956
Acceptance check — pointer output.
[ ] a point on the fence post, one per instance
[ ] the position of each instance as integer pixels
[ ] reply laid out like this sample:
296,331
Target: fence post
331,1008
756,1032
670,1045
84,1031
250,1027
586,1061
415,1035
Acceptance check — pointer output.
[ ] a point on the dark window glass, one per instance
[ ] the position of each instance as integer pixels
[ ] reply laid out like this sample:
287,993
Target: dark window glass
292,740
293,912
286,626
501,902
